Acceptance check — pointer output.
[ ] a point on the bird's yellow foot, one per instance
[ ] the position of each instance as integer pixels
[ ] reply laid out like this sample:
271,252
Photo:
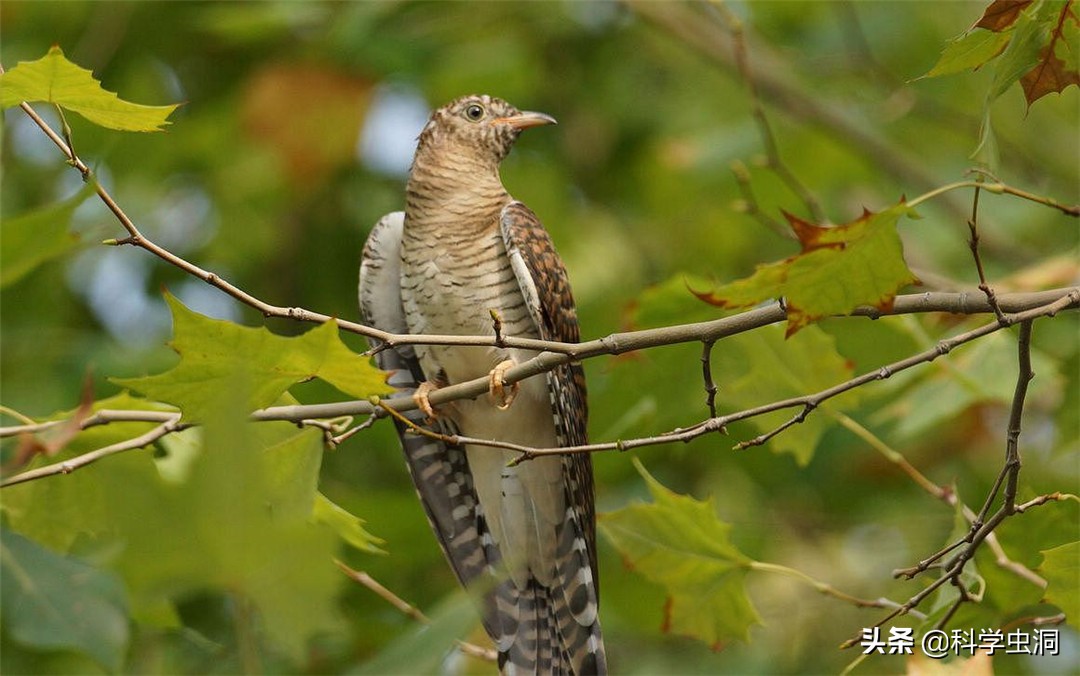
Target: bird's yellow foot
420,396
498,392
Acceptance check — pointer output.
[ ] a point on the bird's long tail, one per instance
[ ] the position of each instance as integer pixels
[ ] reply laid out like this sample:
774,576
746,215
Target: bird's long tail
539,633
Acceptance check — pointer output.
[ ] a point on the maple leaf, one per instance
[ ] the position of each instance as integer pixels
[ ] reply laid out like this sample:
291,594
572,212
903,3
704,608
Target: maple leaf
1001,14
840,268
1053,73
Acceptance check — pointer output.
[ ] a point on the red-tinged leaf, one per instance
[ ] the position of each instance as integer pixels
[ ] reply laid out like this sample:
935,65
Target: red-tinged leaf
766,282
1001,14
1057,65
840,268
813,237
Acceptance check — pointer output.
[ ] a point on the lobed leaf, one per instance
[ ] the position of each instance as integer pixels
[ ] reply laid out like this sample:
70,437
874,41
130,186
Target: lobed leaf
54,79
1061,568
1057,65
680,544
214,353
840,268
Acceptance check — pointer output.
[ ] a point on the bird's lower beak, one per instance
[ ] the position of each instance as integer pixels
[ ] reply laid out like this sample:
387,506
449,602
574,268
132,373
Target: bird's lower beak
527,119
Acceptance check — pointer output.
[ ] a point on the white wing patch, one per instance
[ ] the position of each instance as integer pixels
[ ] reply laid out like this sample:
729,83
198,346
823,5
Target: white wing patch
525,281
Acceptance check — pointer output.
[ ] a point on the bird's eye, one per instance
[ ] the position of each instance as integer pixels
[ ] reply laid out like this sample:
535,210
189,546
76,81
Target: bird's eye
475,112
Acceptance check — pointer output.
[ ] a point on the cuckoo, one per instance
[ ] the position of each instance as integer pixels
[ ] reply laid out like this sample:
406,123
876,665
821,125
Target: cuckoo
464,252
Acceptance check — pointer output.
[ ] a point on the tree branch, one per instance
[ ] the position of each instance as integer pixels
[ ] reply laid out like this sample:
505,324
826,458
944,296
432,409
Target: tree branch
173,424
982,526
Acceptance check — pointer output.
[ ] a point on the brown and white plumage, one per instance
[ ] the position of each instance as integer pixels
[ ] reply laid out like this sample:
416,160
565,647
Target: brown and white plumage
523,535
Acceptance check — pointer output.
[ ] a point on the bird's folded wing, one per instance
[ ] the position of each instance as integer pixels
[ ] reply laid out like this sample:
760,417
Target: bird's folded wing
545,285
439,471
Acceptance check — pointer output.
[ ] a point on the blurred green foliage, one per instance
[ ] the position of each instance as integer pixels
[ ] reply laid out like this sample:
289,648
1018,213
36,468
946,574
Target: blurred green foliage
258,180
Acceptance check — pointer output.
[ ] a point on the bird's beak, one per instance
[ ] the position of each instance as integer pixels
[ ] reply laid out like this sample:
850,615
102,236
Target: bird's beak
526,119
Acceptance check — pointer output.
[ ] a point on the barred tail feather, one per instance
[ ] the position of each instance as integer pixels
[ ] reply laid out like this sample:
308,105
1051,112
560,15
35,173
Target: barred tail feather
540,635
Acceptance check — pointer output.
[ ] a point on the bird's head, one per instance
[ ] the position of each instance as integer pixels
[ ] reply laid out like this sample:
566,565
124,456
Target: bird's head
479,128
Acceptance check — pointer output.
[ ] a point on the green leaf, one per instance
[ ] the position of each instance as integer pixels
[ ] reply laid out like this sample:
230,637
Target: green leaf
840,268
969,50
77,502
679,543
982,372
765,367
349,528
214,353
38,237
1061,568
240,523
1029,36
54,602
54,79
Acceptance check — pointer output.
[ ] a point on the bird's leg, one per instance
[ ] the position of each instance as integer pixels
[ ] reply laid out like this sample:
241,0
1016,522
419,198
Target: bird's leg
420,396
497,391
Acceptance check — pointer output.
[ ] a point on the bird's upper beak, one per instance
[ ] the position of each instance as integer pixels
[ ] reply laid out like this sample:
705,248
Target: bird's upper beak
526,119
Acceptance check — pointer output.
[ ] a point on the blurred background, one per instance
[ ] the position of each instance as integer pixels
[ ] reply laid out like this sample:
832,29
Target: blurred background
296,133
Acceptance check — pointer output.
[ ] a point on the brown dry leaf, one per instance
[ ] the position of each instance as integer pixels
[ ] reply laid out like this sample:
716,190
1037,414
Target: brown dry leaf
1053,73
49,442
1001,14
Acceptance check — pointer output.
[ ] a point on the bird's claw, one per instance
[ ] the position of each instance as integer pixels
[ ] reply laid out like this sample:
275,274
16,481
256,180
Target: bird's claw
498,392
420,396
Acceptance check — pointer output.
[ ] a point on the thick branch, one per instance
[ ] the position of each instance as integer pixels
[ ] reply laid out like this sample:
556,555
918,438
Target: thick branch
710,331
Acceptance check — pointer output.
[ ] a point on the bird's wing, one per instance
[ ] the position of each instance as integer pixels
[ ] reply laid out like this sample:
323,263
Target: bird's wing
544,283
439,471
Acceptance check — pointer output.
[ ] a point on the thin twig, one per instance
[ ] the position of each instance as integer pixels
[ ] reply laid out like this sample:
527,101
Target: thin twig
750,205
69,466
496,327
944,494
772,150
706,374
410,610
613,344
825,588
998,189
973,244
983,526
812,401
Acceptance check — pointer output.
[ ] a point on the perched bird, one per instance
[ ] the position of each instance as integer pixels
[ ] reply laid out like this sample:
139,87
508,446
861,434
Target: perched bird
462,253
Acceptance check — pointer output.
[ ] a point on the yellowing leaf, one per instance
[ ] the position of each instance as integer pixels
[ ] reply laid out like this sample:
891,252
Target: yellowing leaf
216,354
840,268
1061,568
679,543
54,79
